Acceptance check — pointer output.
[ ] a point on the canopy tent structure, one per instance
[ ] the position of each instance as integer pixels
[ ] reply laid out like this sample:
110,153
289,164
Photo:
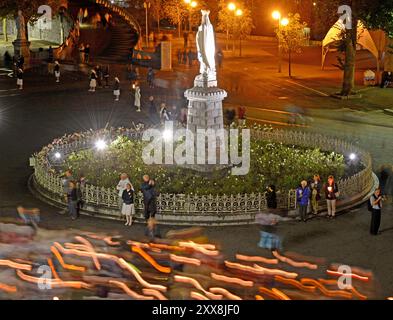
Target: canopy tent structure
365,41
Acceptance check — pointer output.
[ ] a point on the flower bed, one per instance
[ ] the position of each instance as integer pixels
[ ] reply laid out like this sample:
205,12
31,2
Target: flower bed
271,163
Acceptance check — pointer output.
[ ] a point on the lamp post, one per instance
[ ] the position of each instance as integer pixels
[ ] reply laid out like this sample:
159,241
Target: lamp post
238,14
191,5
232,8
277,16
147,5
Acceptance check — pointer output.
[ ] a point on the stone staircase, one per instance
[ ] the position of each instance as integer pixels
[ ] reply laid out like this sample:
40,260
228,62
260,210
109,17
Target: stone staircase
122,39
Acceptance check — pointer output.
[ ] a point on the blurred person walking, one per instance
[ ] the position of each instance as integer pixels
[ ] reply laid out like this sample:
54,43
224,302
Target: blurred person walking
93,81
116,89
57,71
106,76
137,99
19,78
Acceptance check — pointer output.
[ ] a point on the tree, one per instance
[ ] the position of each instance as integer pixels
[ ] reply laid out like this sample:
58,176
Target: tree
230,23
292,37
244,26
29,8
176,12
156,10
376,14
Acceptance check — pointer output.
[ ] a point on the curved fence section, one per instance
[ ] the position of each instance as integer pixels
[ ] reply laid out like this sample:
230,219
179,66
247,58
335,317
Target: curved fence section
193,209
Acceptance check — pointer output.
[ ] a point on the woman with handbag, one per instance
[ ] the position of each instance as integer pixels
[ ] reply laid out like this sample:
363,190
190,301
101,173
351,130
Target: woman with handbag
331,194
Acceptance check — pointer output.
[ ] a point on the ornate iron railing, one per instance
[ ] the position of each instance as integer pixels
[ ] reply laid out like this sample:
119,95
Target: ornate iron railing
50,182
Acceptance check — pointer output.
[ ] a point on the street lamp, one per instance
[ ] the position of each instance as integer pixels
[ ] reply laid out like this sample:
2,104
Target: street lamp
147,5
231,7
277,16
284,22
191,5
238,14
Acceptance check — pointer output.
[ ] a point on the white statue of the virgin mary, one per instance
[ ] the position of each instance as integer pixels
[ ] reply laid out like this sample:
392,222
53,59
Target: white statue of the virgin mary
206,45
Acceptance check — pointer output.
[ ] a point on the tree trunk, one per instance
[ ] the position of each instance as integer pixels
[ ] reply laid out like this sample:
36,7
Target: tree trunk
289,64
349,66
388,63
5,31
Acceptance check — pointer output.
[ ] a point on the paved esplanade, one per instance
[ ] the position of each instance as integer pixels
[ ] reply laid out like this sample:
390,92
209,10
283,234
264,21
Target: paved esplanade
44,110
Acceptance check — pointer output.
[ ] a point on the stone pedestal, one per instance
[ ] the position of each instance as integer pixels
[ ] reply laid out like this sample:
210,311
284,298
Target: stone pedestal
205,112
22,48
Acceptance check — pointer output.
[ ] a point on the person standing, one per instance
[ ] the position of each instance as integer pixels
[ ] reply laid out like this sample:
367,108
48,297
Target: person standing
19,78
153,199
241,115
72,199
57,71
302,197
147,195
185,39
376,209
315,193
106,76
93,81
152,109
86,15
121,186
150,77
331,195
128,208
116,89
100,76
82,53
50,54
164,115
138,96
87,53
80,16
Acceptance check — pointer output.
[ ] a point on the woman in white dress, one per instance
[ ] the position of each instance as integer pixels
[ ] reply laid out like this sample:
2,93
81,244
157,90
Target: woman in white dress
128,204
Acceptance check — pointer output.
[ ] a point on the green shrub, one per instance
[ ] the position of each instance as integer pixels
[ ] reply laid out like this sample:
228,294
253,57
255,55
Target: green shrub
271,163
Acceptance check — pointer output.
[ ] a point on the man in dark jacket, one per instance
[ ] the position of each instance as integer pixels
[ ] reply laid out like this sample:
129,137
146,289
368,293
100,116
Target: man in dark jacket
302,197
147,195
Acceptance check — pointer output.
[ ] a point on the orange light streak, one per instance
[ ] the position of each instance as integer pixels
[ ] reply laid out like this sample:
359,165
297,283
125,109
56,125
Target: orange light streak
130,292
120,261
54,283
241,282
256,259
7,288
295,283
295,263
352,275
52,267
197,285
325,291
14,265
155,293
186,260
149,259
90,248
225,293
198,296
63,264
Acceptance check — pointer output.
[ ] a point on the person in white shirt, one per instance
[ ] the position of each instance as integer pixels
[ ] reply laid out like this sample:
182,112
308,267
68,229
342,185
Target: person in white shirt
121,186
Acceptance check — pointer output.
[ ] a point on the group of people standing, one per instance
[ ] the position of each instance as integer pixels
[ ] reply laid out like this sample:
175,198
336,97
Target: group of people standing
309,193
126,198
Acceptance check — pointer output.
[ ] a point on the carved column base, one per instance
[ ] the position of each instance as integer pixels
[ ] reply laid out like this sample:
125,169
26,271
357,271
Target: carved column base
22,48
